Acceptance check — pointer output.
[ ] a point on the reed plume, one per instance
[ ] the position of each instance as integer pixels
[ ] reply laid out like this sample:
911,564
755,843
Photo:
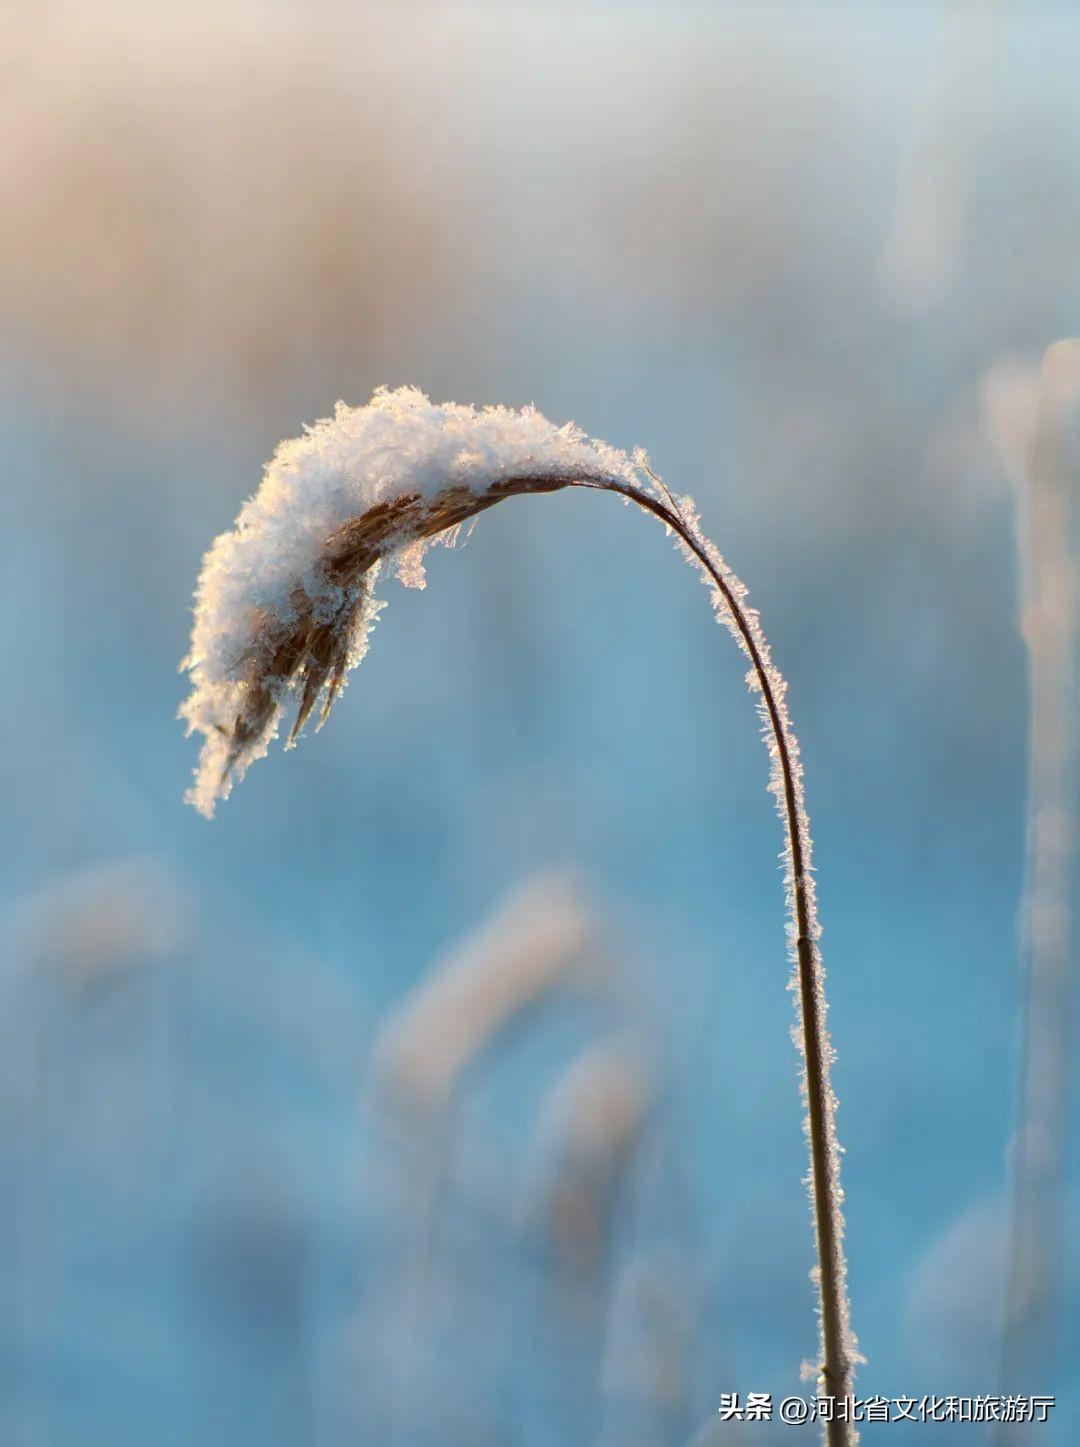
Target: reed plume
542,937
284,609
1028,412
591,1125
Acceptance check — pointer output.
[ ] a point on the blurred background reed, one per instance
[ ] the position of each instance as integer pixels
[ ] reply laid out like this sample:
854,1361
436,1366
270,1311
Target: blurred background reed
783,247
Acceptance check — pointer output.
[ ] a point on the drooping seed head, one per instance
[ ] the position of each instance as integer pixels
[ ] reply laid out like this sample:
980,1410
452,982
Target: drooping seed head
284,603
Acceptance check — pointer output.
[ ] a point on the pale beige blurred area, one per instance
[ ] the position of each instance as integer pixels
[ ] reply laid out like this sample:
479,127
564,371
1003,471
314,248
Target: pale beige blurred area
545,935
256,200
218,195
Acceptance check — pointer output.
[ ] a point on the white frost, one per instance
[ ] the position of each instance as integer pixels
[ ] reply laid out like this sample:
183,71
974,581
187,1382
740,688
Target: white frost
399,446
401,443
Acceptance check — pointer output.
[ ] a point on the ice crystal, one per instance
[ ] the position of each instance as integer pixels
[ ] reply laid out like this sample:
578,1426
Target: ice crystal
284,602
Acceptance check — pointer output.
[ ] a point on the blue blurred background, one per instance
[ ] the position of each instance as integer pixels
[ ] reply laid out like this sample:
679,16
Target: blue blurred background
779,246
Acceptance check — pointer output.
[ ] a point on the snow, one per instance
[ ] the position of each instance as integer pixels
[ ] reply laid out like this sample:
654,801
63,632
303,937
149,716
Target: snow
267,567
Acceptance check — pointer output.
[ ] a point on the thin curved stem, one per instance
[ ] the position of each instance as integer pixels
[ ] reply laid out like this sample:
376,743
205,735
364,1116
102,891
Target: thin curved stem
838,1357
308,646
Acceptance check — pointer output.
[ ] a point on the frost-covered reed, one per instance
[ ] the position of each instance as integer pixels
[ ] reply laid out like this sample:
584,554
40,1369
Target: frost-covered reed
284,609
284,605
1032,414
99,923
591,1124
543,936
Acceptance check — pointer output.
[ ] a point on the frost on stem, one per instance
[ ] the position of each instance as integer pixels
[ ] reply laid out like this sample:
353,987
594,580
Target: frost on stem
839,1348
284,604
